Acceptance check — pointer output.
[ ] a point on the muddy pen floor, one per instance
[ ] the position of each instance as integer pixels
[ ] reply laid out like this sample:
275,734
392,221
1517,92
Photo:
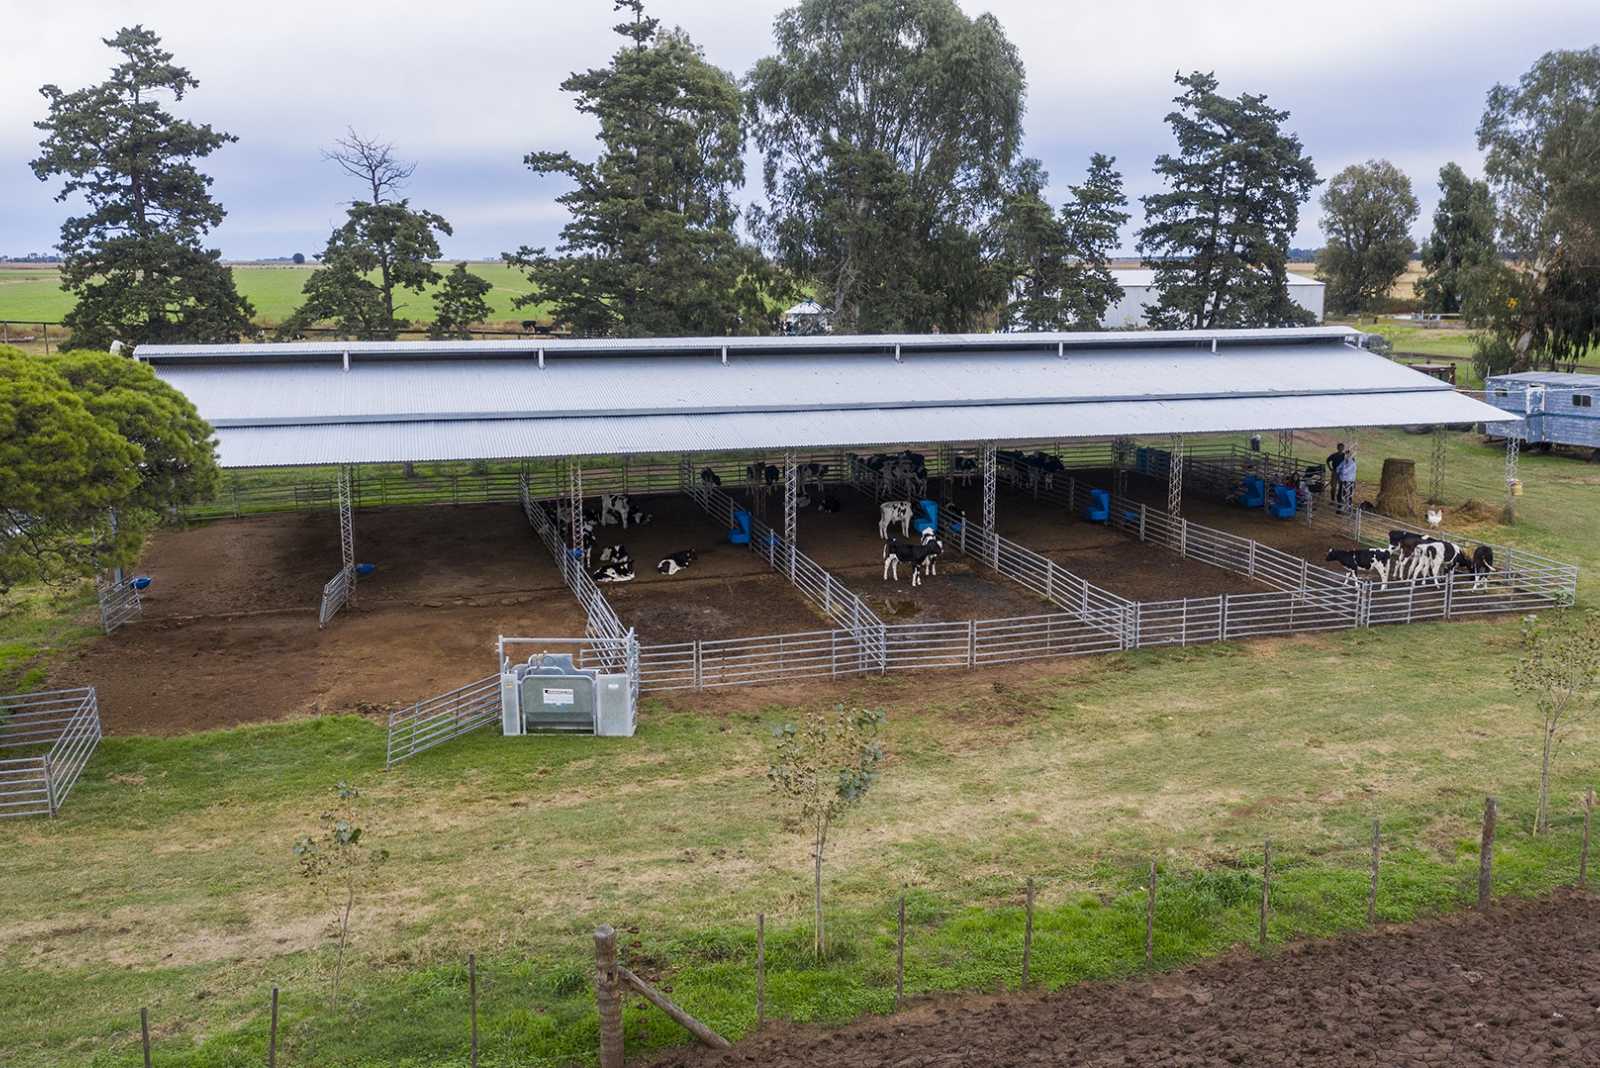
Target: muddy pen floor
1093,551
846,543
230,634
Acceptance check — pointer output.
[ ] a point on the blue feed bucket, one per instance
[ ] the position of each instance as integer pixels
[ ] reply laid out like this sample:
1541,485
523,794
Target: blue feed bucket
366,569
140,583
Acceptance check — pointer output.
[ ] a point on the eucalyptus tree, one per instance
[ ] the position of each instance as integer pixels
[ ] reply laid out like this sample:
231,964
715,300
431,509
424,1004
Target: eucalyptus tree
1367,212
888,130
1541,144
1462,240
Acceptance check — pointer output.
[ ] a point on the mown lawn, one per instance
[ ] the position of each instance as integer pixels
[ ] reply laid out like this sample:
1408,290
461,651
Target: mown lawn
169,882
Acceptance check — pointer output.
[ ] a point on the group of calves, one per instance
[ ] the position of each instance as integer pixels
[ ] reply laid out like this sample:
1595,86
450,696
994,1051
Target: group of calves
1413,556
765,477
615,562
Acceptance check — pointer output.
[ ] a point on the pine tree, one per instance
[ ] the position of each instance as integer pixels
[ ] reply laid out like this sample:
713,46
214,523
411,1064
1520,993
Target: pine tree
1218,238
459,304
1059,263
1035,248
1093,219
1462,240
136,262
382,238
651,248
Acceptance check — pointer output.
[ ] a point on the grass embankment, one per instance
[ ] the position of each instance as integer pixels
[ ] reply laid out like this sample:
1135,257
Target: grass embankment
168,880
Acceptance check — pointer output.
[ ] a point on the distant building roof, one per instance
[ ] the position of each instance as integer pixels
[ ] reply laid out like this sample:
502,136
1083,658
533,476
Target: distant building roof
1143,276
1549,378
806,307
389,402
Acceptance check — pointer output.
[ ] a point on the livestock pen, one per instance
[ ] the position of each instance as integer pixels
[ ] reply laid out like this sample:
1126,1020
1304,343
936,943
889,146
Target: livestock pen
755,457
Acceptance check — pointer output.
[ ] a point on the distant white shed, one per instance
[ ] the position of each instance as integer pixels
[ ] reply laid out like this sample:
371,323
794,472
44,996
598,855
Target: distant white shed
1139,289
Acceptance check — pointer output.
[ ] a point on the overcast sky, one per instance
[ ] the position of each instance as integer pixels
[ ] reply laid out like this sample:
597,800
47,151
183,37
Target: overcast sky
467,88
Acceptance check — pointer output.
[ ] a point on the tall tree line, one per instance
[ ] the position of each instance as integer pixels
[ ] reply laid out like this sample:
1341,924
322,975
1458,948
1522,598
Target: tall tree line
895,192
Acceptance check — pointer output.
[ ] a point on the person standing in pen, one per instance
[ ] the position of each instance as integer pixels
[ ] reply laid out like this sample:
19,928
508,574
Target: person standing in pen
1347,481
1335,458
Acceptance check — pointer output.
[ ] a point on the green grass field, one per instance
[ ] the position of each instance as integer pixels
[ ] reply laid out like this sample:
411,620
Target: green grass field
28,293
168,879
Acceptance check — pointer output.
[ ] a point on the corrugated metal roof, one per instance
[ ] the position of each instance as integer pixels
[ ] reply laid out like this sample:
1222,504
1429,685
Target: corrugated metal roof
255,394
860,345
404,404
769,432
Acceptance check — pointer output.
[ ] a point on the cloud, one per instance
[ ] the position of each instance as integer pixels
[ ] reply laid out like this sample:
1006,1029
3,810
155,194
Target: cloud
468,89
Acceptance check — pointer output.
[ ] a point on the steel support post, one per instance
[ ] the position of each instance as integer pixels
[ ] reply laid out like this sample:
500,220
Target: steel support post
1175,476
986,461
575,505
1513,446
791,509
347,538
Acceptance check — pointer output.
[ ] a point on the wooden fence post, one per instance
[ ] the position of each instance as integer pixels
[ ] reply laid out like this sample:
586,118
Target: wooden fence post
1486,854
1027,932
900,957
761,969
607,997
272,1034
1150,921
144,1033
1583,853
472,993
1266,889
1372,889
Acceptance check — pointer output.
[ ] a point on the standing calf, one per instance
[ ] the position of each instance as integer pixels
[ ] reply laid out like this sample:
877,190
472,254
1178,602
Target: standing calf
891,512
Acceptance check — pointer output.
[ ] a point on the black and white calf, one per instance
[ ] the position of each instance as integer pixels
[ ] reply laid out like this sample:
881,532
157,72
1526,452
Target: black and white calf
709,477
827,503
613,572
1434,559
1356,561
614,509
676,562
892,512
922,558
963,469
1480,565
616,555
813,475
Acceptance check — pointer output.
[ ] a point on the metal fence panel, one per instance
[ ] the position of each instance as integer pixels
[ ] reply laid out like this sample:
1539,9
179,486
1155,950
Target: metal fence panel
440,719
68,723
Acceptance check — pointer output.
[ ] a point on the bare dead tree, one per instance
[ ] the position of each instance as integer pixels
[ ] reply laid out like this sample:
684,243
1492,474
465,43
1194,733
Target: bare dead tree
370,162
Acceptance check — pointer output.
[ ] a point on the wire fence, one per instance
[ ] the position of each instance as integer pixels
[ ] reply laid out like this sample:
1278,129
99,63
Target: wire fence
1145,917
53,734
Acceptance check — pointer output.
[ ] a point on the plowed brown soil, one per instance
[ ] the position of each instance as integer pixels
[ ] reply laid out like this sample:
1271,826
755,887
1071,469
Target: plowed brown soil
1517,986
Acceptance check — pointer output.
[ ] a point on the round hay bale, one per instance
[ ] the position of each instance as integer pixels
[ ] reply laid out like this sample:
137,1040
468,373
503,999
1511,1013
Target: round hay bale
1397,493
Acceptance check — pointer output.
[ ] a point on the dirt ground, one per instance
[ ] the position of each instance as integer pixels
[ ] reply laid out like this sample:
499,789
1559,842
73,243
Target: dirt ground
1519,985
229,633
846,543
728,592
